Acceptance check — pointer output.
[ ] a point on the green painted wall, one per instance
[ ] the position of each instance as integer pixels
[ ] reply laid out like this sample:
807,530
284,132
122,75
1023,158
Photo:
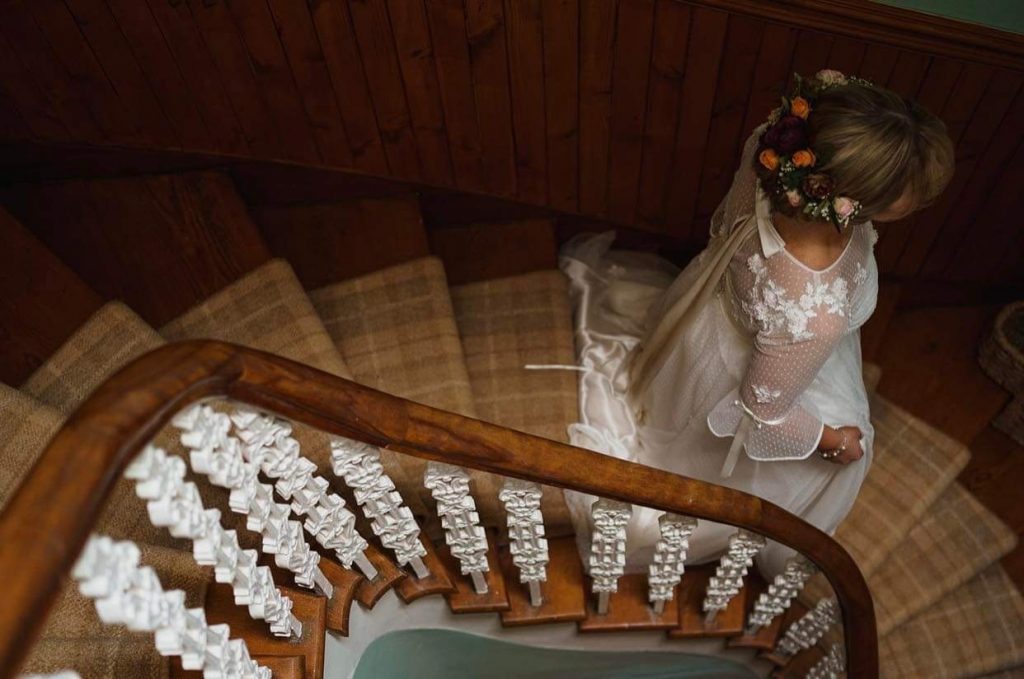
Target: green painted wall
1006,15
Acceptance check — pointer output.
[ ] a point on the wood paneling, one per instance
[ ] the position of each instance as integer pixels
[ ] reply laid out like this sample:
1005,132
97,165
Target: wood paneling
631,110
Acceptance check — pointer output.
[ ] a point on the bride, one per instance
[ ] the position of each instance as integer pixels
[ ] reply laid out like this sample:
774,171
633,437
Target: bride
744,369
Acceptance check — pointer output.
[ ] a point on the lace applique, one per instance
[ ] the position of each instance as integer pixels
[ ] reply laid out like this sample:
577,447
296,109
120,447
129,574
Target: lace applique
861,275
765,395
774,310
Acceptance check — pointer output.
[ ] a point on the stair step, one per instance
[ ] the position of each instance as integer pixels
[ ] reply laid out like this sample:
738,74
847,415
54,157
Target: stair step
958,538
396,331
800,664
411,588
197,239
345,582
795,611
26,426
629,609
32,279
310,609
563,592
914,463
339,231
369,592
506,324
766,637
482,252
465,599
690,598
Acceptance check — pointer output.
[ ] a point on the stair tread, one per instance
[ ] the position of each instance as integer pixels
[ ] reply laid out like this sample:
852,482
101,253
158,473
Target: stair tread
629,609
506,324
369,592
465,599
310,609
31,325
486,251
914,463
198,236
340,230
766,637
975,629
795,611
396,331
563,592
345,582
439,581
727,623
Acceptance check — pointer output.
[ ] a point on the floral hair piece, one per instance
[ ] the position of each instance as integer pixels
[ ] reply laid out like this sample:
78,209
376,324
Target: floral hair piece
788,164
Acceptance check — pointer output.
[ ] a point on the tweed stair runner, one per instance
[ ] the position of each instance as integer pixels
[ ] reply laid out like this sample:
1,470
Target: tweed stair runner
395,329
506,324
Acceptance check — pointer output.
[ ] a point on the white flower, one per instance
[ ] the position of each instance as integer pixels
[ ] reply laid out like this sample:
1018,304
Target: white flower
764,394
861,275
756,265
831,77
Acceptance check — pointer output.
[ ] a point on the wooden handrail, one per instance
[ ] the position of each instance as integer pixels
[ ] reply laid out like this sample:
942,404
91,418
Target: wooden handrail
52,513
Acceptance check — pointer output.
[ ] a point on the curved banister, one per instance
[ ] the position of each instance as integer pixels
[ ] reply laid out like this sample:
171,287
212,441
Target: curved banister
48,519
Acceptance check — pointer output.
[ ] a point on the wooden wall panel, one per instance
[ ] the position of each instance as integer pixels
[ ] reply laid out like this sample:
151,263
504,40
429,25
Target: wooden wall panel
561,98
704,54
634,35
384,77
634,110
447,20
201,75
664,89
485,26
306,60
348,79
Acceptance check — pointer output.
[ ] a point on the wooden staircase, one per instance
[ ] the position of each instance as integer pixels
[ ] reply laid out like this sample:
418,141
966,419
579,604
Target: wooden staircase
447,319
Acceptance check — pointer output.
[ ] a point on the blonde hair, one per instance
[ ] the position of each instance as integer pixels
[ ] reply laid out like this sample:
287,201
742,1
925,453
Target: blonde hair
881,145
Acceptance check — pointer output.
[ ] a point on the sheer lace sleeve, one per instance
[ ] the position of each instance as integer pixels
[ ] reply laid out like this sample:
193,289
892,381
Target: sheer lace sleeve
799,316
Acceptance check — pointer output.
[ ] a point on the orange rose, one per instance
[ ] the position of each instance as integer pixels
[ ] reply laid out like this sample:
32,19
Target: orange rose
804,158
769,159
799,107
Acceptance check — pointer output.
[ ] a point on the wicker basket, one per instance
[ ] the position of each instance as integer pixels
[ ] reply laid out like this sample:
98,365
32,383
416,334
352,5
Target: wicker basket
1002,357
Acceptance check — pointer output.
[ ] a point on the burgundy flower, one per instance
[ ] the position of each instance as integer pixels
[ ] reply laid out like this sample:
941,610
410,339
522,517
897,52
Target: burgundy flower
818,185
788,135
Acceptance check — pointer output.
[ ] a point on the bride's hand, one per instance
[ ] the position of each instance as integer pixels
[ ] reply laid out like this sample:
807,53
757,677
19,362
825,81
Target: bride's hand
854,451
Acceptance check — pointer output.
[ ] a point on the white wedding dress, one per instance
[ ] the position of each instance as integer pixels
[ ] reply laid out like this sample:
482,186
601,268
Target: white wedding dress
773,357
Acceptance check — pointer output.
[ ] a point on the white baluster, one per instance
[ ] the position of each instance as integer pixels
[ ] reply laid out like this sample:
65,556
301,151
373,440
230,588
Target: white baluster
829,667
728,578
808,630
780,593
174,503
669,559
525,522
65,674
218,456
463,533
608,548
128,594
359,464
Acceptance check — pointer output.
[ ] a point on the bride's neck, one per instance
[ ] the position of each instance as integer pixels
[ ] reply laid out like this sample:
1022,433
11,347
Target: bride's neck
796,230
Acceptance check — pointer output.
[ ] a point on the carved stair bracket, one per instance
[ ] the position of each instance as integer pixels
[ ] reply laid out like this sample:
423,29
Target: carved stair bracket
465,537
669,559
608,548
359,464
808,630
780,593
528,546
174,503
218,456
267,442
728,578
831,666
128,594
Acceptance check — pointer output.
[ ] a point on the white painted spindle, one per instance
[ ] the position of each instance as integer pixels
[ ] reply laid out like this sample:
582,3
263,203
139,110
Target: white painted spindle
780,593
525,522
669,559
608,548
174,503
359,464
829,667
129,594
463,533
728,578
808,630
